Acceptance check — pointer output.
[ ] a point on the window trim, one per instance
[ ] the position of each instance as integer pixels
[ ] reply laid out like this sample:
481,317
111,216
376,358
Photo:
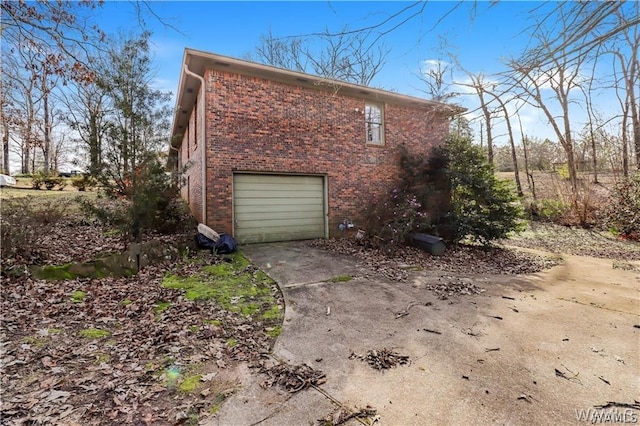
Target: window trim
369,123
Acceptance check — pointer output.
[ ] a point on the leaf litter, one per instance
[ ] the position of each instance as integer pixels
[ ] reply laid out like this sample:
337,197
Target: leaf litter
50,374
368,415
381,359
292,378
396,265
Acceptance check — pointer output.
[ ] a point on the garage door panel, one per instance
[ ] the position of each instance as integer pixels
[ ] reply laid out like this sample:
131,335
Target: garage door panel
279,203
278,207
284,230
278,194
280,179
282,222
257,238
268,184
282,215
250,207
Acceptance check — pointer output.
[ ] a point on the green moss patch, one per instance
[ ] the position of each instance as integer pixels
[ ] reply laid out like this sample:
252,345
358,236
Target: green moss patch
217,403
94,333
38,342
78,296
275,312
341,278
274,331
234,285
102,358
190,383
161,306
54,272
110,266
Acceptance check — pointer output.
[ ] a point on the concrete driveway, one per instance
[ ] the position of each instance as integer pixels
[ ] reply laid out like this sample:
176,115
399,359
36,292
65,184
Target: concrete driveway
537,349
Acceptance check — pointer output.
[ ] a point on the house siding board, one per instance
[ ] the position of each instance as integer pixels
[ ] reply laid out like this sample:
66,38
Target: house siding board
258,125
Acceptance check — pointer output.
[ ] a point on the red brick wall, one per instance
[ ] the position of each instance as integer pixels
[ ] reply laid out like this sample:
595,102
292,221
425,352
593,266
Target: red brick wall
191,159
258,125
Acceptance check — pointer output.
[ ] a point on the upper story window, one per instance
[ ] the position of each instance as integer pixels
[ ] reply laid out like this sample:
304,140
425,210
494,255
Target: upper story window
374,121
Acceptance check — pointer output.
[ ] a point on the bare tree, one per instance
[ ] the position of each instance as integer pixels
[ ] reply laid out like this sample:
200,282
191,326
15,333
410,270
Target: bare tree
512,144
344,57
591,115
283,53
20,84
86,107
525,151
42,41
572,29
5,122
436,77
590,24
46,81
560,77
625,52
481,86
57,27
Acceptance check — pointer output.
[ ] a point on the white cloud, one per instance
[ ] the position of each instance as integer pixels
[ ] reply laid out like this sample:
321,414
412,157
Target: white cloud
433,65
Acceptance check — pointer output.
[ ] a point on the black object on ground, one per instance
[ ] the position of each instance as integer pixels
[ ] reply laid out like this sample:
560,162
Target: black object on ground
430,243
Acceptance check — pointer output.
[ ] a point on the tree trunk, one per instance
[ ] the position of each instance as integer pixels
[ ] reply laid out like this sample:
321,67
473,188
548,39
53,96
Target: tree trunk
594,153
573,175
487,119
625,142
636,142
46,147
5,149
94,145
635,120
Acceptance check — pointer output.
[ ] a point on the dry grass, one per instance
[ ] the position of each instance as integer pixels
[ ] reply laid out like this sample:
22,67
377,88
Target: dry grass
23,188
555,201
549,185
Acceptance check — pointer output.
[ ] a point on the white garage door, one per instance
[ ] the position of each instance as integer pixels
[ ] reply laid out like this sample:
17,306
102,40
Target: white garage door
278,208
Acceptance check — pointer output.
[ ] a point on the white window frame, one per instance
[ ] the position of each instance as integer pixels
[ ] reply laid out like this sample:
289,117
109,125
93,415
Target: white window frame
374,123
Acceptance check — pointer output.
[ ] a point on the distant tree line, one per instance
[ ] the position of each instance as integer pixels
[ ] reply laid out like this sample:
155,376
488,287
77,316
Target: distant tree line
71,92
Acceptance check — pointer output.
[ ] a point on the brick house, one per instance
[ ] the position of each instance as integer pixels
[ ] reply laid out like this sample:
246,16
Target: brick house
273,155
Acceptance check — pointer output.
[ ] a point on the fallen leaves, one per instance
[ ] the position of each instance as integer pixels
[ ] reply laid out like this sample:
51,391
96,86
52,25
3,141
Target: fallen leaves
577,241
381,359
448,286
343,415
51,375
396,265
292,378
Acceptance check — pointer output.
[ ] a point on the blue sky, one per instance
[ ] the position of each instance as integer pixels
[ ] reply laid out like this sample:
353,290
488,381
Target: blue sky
479,34
234,29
